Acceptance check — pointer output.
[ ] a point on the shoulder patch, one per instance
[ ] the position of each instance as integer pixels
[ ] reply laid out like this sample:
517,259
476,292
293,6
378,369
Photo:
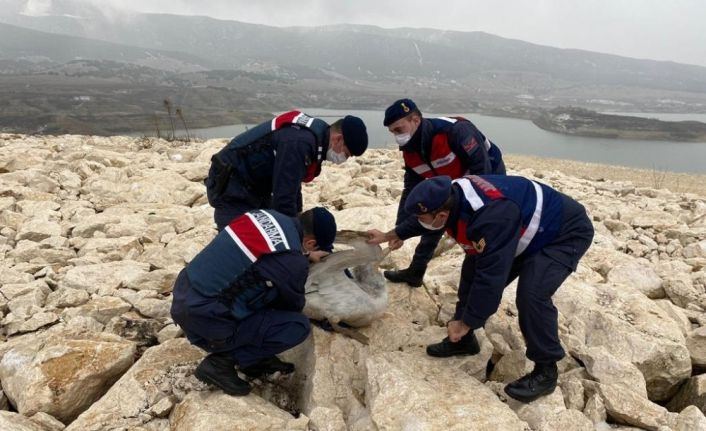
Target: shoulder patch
479,245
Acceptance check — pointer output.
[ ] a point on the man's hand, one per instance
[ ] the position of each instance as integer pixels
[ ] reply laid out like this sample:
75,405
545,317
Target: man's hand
395,244
317,255
376,237
456,330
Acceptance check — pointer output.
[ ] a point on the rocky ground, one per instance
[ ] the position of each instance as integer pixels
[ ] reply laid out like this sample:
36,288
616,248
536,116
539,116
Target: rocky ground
94,230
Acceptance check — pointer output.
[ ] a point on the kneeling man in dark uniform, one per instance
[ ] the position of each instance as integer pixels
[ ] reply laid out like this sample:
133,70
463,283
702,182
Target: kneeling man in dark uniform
241,297
509,227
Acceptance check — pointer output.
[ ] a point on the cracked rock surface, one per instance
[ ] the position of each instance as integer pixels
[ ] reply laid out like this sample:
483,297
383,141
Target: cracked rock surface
94,230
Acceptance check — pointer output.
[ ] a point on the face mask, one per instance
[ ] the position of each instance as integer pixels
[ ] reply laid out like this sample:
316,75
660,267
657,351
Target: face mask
403,138
430,226
335,157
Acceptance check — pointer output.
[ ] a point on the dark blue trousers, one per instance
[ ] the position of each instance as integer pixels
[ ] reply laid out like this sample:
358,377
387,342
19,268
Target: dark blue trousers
208,324
425,250
539,275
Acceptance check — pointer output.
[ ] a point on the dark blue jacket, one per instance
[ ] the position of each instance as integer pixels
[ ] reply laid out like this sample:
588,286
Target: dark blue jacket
288,272
497,225
279,175
249,270
475,158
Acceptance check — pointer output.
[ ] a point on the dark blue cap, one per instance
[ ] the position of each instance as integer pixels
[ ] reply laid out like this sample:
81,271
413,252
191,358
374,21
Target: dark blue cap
355,135
397,110
428,196
324,228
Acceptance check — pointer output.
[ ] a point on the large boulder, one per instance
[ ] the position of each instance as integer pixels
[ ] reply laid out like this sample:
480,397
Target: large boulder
329,367
689,419
631,327
113,186
696,343
10,421
627,407
44,252
37,229
406,390
538,412
103,276
639,274
203,411
100,308
605,368
693,392
63,374
163,372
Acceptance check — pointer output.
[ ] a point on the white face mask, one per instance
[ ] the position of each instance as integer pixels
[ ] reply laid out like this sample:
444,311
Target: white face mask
403,138
335,157
430,226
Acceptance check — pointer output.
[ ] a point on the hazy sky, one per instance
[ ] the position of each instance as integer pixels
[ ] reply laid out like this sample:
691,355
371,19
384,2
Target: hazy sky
656,29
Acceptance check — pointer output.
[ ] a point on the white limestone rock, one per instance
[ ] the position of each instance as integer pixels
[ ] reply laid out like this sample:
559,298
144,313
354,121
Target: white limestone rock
638,274
10,421
110,276
162,371
605,368
404,390
693,392
201,411
64,374
629,408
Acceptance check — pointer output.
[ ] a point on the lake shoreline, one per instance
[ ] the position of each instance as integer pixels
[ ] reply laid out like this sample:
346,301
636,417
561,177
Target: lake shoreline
574,121
677,182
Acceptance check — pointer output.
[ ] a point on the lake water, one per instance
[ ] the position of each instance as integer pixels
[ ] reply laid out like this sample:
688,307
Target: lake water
523,137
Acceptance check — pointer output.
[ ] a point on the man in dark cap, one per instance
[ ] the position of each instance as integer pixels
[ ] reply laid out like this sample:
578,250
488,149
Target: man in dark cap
265,166
241,297
431,147
509,227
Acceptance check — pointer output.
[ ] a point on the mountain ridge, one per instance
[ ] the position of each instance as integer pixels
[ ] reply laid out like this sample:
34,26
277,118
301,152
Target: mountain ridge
370,52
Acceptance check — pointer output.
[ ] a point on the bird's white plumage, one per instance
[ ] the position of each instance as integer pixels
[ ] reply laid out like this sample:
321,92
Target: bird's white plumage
332,295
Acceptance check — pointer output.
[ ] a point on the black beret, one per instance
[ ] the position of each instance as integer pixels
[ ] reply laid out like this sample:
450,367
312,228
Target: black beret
355,135
428,196
397,110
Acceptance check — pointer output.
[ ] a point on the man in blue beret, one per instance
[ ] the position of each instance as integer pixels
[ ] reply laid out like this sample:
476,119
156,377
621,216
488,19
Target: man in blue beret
451,146
241,297
510,227
265,166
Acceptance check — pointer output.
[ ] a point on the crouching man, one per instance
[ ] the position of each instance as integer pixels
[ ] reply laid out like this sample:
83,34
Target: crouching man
241,297
509,227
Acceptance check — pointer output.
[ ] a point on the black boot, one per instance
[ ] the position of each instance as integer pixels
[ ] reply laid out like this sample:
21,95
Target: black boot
218,369
269,365
541,381
467,346
412,276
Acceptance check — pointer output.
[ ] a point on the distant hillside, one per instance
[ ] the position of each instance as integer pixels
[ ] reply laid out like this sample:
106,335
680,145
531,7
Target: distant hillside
86,69
18,43
371,53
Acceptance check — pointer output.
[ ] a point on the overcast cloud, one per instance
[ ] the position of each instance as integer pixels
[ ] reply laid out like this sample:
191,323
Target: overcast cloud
656,29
